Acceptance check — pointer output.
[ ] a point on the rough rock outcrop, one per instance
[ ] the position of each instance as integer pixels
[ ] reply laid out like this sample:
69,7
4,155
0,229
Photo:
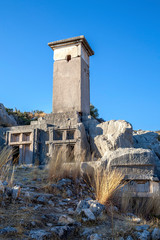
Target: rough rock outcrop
5,119
147,140
109,136
135,163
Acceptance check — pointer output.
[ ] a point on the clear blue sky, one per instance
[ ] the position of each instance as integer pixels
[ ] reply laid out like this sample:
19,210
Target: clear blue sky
124,72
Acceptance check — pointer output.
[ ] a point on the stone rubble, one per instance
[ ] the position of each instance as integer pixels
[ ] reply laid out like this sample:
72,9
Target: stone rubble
8,230
94,237
86,215
54,215
156,234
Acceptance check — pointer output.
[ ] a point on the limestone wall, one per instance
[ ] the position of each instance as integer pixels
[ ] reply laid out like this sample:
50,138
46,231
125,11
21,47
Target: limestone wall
67,85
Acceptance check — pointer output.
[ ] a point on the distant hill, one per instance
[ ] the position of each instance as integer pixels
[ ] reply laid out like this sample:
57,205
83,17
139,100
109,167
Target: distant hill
24,118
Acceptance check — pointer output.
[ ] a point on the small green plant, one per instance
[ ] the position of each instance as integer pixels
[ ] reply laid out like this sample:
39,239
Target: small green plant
158,135
94,111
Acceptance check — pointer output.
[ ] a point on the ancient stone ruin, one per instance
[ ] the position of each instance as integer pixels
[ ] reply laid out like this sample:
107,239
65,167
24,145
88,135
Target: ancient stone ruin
71,101
113,143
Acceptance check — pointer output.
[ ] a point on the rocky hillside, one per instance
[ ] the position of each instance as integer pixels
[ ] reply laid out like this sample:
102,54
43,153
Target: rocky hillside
10,117
6,120
18,117
66,209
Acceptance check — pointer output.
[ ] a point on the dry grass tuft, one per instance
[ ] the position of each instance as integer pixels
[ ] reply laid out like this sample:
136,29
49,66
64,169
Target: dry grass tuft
146,207
5,163
106,184
61,166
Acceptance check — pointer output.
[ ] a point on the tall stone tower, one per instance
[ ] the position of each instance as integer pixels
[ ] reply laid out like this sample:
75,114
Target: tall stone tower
71,85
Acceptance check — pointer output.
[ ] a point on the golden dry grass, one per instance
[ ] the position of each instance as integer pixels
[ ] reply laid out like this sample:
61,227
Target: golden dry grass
5,163
106,184
5,157
61,166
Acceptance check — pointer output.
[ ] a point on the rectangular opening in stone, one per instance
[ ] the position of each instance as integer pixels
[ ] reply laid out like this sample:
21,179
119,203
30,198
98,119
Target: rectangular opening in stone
15,154
143,187
59,152
26,137
15,137
70,153
47,148
57,135
26,154
70,134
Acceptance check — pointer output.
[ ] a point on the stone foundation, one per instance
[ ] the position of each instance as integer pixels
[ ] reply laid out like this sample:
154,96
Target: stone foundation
41,139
